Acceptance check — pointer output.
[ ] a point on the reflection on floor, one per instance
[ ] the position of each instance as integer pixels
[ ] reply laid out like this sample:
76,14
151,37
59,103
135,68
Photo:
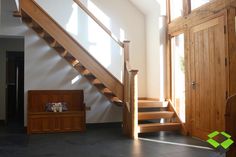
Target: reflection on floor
101,141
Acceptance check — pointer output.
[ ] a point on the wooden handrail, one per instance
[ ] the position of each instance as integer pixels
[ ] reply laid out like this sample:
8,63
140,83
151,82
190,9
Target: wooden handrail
84,8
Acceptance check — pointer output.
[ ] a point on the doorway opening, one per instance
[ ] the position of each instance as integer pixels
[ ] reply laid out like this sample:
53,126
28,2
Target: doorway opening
15,89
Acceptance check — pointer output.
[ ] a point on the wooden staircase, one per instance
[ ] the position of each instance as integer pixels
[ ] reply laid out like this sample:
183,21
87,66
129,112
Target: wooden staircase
113,90
139,116
154,116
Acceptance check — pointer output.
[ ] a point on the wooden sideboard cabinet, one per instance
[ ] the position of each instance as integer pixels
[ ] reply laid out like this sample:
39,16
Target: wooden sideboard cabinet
40,121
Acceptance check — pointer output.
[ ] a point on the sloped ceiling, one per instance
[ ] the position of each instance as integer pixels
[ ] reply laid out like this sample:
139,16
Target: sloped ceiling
147,7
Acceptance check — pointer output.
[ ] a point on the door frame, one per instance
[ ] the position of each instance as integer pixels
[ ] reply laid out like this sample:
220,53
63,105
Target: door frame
186,31
188,51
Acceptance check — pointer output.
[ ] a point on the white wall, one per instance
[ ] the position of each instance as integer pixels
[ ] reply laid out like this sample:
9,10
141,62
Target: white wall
155,42
121,17
153,57
44,69
156,56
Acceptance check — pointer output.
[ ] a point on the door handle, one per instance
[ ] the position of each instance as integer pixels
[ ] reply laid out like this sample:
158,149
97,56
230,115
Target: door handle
193,84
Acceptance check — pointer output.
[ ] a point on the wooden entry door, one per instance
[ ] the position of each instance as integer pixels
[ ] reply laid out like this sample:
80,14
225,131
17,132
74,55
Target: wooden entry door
208,77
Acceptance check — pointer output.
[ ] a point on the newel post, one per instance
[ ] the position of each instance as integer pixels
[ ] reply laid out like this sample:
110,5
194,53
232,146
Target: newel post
134,103
126,109
130,112
125,72
126,50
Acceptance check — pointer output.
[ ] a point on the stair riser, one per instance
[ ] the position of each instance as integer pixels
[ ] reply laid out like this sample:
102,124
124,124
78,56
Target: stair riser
152,109
157,129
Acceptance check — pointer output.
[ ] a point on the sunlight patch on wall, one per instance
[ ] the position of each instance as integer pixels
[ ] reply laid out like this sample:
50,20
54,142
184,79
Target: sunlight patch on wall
161,72
100,42
122,38
161,23
72,25
99,14
74,80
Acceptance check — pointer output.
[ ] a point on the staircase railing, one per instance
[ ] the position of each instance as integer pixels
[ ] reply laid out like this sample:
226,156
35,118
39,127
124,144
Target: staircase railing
130,108
130,83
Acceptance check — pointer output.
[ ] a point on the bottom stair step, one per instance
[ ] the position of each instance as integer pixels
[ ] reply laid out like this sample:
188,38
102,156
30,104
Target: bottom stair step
117,101
155,127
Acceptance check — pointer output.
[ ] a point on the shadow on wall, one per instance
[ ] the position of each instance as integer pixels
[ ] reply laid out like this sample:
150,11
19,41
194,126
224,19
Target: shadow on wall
46,70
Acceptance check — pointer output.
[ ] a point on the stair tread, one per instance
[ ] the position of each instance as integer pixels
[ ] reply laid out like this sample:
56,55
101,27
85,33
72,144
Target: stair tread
152,103
75,62
155,115
156,112
96,82
79,67
155,127
16,14
106,91
55,44
86,72
115,99
43,34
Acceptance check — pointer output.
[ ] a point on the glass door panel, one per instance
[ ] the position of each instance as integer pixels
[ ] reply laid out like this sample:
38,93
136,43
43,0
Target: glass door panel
178,74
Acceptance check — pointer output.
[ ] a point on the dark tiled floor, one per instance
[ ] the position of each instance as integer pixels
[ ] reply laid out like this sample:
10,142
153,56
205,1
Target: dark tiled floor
99,142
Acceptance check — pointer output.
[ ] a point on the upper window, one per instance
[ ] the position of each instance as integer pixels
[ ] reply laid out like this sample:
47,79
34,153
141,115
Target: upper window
197,3
176,9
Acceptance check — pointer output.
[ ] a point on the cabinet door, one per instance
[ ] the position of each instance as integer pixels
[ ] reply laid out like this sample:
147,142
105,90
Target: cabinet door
208,77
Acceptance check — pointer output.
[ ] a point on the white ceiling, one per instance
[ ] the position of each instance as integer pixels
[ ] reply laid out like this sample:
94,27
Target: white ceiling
148,6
